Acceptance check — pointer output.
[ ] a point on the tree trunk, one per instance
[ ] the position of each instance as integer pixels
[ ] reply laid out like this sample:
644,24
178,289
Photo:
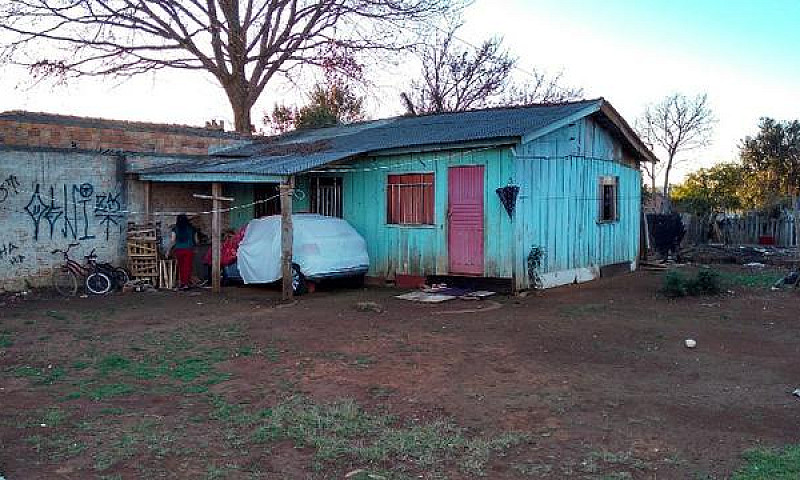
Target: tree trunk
241,116
666,205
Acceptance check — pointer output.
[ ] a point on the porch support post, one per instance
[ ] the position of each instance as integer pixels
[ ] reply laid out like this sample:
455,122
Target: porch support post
286,237
216,236
147,200
514,239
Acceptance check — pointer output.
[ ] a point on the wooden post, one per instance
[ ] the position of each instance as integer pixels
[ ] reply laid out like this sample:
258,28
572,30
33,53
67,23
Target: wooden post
216,237
147,197
216,232
286,237
514,239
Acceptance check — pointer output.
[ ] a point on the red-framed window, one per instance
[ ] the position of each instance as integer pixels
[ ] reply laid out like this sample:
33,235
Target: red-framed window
410,199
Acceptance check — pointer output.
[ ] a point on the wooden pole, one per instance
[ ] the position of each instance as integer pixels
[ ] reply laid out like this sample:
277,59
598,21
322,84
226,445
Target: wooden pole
514,239
216,236
286,237
147,197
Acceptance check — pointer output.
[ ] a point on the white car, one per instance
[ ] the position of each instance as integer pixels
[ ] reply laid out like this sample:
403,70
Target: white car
323,247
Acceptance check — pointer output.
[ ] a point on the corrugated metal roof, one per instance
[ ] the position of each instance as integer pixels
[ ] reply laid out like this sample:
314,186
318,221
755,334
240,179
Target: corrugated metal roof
304,150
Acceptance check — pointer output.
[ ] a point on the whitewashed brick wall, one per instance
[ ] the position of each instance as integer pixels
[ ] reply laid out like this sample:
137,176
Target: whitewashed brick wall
49,199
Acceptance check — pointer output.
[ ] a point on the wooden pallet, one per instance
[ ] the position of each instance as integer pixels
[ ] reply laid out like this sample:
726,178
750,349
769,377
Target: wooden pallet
142,249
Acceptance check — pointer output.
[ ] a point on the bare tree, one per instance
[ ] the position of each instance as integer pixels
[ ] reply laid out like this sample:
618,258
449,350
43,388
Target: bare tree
541,88
458,76
675,125
244,44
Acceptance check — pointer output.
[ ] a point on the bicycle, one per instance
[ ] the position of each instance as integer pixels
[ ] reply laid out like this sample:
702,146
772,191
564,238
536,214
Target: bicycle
65,277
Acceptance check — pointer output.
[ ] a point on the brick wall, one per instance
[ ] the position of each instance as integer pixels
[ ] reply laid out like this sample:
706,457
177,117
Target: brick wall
53,194
51,199
60,131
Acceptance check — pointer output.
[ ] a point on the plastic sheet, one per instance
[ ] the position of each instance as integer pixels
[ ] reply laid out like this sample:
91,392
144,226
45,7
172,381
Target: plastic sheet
323,247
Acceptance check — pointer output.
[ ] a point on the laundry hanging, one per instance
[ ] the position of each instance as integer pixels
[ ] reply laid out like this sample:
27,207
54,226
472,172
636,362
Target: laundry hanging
508,197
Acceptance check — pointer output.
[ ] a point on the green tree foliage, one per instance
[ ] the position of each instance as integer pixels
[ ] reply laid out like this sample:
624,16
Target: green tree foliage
331,103
773,155
712,190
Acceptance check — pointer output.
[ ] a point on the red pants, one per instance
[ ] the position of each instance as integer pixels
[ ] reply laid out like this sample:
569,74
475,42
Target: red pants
185,256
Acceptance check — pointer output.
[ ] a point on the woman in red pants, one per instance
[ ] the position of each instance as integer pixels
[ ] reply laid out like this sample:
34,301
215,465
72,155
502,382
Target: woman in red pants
183,239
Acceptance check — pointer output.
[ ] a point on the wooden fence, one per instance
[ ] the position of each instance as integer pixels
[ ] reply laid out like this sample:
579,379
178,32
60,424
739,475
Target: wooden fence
742,229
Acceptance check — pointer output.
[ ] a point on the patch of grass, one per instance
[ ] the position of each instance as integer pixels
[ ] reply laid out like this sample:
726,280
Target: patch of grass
118,450
363,361
52,375
215,472
770,464
532,469
56,447
705,282
111,411
272,353
343,432
53,417
6,340
674,284
55,314
104,392
80,364
40,376
112,363
190,368
26,371
760,279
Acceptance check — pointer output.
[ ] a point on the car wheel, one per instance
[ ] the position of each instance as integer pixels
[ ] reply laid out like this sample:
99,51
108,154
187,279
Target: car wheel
299,286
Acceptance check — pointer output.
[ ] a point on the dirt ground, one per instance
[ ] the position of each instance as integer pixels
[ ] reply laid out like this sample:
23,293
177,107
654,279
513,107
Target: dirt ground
584,381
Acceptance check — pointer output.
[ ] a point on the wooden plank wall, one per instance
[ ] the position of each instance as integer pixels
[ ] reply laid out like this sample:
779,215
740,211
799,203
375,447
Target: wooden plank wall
422,250
559,199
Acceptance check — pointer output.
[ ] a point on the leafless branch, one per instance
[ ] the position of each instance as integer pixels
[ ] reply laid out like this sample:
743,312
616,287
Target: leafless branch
243,43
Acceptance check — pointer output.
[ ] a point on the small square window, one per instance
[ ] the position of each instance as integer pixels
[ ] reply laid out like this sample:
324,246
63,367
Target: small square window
608,199
410,199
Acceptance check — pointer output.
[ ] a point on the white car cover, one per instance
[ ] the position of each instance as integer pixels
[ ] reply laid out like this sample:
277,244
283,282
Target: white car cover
323,246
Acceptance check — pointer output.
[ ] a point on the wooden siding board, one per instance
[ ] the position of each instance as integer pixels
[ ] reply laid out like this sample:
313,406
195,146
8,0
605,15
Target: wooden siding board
559,199
423,250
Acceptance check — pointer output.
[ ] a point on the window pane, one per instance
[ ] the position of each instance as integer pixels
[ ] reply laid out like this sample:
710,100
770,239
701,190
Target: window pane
410,199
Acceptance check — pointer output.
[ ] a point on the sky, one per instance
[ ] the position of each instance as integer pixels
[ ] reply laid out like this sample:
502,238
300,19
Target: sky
744,54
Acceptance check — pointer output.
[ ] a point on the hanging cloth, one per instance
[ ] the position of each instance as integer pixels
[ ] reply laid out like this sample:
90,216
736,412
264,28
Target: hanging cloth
508,197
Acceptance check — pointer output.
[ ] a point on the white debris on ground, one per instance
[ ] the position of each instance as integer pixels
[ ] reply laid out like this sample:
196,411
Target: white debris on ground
426,297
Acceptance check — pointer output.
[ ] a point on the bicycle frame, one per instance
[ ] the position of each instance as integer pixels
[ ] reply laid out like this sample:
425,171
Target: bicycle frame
75,267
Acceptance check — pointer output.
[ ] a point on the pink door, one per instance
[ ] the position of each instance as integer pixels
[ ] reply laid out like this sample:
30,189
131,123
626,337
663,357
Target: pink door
465,220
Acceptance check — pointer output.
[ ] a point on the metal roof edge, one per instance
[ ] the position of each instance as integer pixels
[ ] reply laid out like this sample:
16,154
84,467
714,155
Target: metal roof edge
627,132
207,177
436,147
593,107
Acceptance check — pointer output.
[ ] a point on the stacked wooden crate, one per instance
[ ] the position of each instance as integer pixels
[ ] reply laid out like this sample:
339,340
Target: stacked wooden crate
143,251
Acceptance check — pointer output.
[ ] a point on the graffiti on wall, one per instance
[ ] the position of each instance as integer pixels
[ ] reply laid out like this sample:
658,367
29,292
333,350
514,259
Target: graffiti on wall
108,209
9,252
74,211
9,187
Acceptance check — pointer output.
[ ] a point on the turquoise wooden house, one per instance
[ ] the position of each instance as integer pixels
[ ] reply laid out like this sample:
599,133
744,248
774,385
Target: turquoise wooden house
423,191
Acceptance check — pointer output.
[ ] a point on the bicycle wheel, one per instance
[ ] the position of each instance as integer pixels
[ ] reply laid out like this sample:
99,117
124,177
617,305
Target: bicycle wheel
121,277
98,283
65,282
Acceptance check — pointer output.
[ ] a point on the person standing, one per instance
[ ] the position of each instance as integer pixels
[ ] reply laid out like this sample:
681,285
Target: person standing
183,242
